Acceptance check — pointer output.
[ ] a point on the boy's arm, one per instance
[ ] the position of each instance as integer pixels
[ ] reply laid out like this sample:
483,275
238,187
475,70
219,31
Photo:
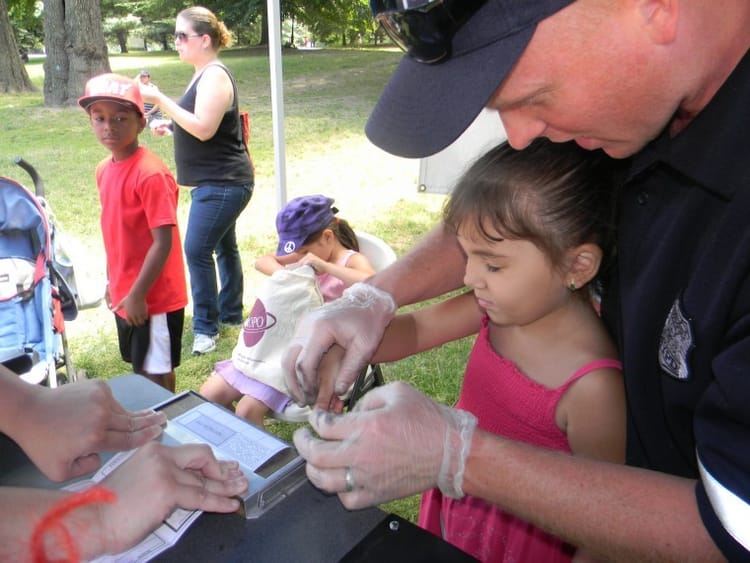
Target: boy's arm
136,311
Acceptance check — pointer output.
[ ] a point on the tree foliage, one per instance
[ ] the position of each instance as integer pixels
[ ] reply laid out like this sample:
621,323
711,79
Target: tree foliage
75,32
26,21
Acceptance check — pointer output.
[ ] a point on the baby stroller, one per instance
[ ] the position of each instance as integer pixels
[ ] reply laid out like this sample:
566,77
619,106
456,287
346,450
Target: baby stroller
37,286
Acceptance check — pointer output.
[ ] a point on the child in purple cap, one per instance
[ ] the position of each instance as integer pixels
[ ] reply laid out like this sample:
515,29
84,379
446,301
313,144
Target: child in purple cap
146,287
309,234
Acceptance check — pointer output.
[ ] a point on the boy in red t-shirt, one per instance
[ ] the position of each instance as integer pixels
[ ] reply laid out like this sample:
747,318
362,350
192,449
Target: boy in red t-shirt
146,286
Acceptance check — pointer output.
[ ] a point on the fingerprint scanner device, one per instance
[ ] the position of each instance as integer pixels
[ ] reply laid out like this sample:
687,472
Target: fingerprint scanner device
272,466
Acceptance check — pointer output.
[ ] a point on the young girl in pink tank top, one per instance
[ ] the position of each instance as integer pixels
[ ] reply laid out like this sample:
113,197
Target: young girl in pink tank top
536,227
309,234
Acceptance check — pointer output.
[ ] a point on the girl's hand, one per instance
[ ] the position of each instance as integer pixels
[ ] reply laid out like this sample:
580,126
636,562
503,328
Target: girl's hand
317,264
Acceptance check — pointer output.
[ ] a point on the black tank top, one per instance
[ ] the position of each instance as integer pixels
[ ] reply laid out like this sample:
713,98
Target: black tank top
221,160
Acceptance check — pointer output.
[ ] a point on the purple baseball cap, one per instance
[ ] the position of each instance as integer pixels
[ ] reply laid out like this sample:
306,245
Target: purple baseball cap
425,107
301,217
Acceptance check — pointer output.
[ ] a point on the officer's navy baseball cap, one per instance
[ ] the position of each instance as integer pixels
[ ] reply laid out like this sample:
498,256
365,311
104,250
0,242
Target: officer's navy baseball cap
112,88
301,218
425,107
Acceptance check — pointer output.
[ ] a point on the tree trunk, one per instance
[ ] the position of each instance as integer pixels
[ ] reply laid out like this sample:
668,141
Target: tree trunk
263,25
13,75
122,40
76,50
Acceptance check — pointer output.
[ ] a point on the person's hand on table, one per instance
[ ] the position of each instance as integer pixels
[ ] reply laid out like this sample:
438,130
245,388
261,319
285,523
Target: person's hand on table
395,443
64,429
156,480
355,322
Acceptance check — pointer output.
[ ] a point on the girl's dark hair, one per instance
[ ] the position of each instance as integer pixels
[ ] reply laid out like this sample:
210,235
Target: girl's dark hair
556,195
342,230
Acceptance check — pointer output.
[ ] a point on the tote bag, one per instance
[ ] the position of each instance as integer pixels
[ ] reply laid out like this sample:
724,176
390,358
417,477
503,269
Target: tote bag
266,333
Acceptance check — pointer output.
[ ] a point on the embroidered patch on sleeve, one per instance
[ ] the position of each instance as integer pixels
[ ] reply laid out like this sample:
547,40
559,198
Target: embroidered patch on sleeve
676,343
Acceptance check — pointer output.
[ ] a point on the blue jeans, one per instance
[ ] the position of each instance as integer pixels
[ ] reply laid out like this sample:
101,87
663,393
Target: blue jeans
211,228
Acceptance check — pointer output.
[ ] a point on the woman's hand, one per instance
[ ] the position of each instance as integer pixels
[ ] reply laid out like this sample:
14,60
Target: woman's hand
161,127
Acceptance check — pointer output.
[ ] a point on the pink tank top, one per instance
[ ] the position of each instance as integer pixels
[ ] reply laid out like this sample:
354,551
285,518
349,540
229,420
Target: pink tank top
330,286
508,403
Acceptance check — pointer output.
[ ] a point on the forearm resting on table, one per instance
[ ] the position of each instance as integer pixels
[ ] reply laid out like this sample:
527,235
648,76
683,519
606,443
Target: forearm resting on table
613,511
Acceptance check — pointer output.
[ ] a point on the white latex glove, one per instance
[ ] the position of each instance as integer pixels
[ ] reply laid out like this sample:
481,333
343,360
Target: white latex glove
395,443
356,322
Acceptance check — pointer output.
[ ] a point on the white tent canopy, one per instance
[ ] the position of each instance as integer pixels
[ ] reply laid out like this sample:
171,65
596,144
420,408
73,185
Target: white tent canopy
277,100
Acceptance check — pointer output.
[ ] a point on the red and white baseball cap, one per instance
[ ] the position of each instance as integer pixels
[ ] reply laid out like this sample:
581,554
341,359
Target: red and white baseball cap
112,88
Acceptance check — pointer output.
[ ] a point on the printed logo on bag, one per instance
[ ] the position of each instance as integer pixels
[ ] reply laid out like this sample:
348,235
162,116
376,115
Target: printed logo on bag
676,343
257,324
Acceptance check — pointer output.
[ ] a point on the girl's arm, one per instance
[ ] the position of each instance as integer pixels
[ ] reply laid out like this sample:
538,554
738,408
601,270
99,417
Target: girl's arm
269,263
407,334
595,418
429,327
595,422
357,269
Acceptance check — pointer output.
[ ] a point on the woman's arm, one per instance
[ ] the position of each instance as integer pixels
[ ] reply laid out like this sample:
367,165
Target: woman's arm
214,96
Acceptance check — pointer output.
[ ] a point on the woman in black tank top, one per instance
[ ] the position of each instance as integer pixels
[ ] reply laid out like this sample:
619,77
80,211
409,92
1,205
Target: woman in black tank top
212,159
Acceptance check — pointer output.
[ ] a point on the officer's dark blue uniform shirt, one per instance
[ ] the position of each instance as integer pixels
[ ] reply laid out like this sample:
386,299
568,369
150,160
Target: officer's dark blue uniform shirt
679,307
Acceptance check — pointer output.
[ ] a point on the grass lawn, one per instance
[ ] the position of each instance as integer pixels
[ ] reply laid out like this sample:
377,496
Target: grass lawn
328,96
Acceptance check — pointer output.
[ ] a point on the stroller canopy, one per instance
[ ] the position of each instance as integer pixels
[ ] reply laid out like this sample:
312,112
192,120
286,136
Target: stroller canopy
23,226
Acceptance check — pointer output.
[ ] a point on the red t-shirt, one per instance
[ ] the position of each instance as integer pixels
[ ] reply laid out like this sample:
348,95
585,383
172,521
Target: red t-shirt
137,195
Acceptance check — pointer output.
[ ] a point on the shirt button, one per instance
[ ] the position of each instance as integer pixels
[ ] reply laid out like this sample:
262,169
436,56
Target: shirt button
642,198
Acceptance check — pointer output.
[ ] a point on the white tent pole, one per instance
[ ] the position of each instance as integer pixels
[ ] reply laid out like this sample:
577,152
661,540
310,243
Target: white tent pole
277,99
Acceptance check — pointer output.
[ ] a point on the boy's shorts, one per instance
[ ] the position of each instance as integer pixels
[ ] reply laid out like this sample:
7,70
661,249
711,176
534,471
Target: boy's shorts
155,347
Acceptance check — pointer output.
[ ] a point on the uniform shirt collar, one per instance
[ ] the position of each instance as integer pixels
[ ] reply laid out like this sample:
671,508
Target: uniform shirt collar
714,148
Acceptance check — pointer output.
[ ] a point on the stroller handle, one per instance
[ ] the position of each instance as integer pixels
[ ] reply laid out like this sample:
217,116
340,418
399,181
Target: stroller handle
38,184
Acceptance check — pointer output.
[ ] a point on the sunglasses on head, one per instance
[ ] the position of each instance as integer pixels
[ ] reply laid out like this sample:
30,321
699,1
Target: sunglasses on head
423,28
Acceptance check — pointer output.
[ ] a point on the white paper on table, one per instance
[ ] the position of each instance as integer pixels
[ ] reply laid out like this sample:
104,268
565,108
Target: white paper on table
229,437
